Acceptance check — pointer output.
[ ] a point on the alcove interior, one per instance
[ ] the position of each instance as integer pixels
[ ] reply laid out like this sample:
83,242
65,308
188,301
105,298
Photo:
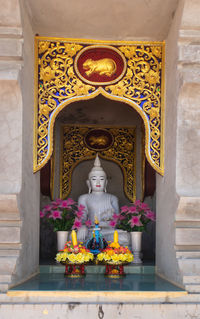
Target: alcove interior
99,112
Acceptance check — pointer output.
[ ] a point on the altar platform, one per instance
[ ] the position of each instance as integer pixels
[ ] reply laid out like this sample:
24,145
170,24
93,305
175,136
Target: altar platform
140,282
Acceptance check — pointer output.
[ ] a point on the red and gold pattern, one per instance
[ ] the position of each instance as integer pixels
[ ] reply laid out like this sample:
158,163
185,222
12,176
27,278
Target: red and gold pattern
58,84
74,271
100,65
115,271
115,257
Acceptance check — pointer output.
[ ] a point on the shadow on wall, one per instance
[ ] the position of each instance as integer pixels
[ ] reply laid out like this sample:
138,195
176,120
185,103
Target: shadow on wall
48,243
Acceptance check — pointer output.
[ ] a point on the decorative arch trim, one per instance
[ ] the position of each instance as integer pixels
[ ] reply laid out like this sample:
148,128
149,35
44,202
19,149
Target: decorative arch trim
57,85
118,137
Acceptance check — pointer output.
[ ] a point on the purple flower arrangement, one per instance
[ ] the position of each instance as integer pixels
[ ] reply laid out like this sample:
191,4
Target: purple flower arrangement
64,215
133,218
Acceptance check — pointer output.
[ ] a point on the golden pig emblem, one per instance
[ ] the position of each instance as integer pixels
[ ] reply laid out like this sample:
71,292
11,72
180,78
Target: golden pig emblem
100,140
102,67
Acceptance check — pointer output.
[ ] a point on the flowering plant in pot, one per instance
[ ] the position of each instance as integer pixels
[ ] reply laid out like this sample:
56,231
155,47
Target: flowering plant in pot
133,218
64,215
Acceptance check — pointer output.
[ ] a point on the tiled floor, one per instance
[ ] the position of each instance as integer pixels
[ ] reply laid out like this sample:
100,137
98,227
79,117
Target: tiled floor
53,280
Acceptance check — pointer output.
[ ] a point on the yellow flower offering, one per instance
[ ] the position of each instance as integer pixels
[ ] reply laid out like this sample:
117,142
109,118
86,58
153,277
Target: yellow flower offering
115,254
74,254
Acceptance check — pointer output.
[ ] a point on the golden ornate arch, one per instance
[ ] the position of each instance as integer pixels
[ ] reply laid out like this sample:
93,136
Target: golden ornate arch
57,85
120,148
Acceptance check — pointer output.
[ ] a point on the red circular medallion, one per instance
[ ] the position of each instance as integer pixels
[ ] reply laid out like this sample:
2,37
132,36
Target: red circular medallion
100,65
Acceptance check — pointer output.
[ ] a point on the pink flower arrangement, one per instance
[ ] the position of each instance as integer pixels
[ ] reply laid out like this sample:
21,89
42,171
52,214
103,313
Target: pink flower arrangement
63,214
133,218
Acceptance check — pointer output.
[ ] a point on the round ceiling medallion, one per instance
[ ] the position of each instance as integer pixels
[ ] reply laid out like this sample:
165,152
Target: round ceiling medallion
100,65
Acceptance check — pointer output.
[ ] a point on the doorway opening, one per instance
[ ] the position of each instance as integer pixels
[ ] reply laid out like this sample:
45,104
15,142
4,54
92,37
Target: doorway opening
99,112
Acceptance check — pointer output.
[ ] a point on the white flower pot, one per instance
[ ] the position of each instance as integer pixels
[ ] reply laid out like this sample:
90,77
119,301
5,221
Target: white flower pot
62,237
136,243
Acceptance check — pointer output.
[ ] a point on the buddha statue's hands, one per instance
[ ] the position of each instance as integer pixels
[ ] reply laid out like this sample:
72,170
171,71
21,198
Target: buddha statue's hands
82,233
107,215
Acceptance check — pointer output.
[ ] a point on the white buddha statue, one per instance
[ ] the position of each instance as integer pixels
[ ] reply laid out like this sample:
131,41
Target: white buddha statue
98,203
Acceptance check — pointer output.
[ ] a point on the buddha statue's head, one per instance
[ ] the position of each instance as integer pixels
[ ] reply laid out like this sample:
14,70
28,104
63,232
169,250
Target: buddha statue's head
97,180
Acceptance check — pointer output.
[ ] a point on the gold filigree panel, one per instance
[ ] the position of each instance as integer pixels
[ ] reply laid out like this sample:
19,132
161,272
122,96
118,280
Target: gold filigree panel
141,85
75,149
57,85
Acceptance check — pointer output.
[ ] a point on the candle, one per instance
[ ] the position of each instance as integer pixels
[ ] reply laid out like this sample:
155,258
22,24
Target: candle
96,221
115,236
74,238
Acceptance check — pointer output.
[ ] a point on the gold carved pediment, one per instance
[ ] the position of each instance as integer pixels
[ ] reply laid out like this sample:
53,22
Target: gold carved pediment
80,143
71,70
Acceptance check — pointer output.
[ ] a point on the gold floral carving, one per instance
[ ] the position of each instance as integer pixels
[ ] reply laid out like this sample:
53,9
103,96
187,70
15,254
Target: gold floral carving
142,85
122,151
57,85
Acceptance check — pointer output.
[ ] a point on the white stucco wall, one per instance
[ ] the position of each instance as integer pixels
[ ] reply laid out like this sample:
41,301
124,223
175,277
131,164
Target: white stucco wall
11,137
188,134
188,151
10,14
113,20
30,193
166,194
188,156
10,101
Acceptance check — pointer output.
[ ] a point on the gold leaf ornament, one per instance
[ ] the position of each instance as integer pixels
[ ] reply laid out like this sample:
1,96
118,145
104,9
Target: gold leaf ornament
72,49
47,74
129,51
118,89
82,89
157,51
152,77
43,46
44,110
154,113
